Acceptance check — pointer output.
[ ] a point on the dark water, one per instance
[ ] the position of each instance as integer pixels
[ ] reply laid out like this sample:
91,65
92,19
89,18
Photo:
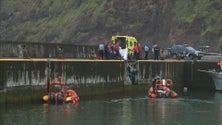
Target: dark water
188,109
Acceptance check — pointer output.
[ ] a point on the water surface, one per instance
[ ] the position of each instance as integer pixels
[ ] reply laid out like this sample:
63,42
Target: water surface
188,109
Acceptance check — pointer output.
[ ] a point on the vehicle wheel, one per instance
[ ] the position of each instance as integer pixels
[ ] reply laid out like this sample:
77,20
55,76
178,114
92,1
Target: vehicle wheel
190,56
174,56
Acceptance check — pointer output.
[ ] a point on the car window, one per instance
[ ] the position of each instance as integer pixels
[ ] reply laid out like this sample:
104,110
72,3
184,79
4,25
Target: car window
190,48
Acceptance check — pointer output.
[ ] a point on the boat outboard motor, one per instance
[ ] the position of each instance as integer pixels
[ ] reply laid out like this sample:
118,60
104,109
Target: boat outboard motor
52,98
167,94
159,93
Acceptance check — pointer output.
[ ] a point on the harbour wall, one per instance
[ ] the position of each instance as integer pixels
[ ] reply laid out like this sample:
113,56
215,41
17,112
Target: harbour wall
53,50
46,50
34,73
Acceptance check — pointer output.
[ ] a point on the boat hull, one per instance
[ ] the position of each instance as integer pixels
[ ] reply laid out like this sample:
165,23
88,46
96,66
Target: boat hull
217,78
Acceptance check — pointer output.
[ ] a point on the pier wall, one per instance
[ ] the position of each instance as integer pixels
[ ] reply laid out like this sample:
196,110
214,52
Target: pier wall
53,50
23,73
34,72
46,50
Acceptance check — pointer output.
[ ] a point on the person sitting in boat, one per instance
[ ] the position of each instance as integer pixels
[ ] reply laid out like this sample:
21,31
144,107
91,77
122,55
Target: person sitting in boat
154,79
161,88
60,97
154,83
164,82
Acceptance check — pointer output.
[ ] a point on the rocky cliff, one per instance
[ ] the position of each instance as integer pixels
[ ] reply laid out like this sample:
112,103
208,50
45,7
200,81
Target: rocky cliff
165,22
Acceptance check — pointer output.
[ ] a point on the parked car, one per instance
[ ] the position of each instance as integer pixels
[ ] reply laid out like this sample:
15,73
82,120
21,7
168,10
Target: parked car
182,51
204,49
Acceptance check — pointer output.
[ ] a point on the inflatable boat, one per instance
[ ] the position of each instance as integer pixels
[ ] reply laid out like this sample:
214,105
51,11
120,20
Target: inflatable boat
162,89
65,95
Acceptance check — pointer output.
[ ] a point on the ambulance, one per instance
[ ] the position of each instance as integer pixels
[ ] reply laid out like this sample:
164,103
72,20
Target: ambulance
126,45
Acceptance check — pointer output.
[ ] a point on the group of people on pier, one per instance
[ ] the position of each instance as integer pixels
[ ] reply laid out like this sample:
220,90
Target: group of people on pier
112,51
109,51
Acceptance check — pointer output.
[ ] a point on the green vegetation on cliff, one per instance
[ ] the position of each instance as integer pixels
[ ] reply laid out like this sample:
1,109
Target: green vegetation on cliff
208,12
203,15
90,21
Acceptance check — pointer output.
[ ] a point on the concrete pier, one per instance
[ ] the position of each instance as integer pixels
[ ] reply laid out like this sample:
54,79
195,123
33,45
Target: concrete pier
82,72
76,72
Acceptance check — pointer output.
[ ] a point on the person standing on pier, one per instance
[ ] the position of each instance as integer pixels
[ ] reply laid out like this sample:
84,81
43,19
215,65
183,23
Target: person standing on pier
116,48
136,51
60,53
109,51
139,50
146,50
101,50
156,52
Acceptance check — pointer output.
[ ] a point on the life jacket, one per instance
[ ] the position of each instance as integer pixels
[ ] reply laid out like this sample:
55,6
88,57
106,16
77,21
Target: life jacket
139,48
135,49
116,47
109,47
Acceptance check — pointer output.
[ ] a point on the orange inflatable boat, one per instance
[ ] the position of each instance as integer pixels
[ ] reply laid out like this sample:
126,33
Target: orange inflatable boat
163,88
60,97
